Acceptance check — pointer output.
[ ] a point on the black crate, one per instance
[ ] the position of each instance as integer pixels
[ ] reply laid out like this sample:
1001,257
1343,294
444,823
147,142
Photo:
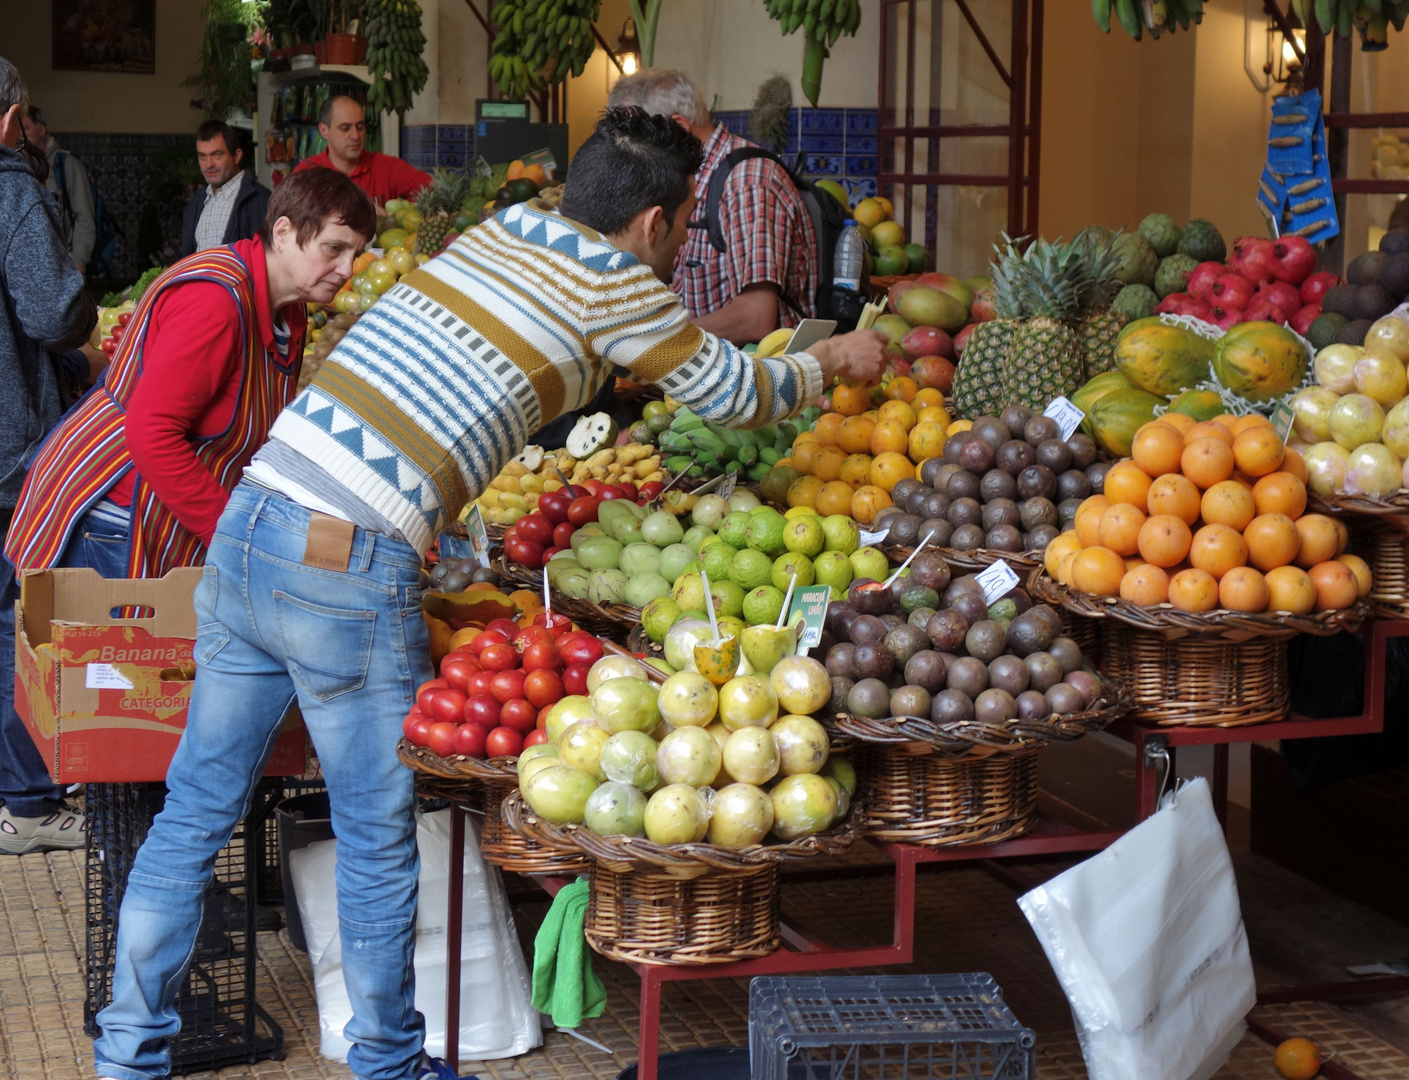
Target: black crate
264,836
221,1023
886,1027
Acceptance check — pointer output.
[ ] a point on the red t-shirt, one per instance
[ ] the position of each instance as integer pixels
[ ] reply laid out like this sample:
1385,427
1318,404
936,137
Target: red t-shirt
191,363
381,176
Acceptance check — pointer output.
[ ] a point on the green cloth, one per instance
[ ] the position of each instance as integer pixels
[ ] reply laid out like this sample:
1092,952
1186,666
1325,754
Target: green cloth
564,984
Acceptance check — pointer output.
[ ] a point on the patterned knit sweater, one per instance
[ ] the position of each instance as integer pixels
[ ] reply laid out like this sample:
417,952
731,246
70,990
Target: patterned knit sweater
441,383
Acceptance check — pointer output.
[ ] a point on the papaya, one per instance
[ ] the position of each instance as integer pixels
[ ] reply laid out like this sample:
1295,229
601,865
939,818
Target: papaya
1200,404
1259,361
1161,359
1138,324
1094,389
1115,417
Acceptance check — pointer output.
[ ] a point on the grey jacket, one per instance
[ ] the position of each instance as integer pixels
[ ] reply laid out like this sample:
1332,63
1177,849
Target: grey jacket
81,233
43,309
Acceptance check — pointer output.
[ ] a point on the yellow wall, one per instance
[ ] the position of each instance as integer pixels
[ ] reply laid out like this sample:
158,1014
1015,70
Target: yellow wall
99,101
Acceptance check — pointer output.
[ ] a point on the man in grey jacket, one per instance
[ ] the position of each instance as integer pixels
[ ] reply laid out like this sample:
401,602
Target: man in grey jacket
43,310
69,184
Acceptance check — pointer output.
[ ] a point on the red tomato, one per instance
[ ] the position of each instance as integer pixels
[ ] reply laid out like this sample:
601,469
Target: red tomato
562,533
628,489
484,639
109,345
413,717
511,533
554,506
524,552
575,678
507,685
483,709
480,682
124,318
583,510
457,671
543,686
420,730
507,627
440,739
534,737
504,742
595,486
609,492
424,691
520,715
535,527
542,654
447,705
580,648
464,652
469,740
548,553
651,489
117,331
499,657
542,721
530,634
557,625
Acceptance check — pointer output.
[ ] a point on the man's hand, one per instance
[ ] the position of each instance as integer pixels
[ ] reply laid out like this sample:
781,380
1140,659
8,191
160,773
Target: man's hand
856,357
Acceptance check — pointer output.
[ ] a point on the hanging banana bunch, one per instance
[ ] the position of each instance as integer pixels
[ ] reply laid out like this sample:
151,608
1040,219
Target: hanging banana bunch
1156,16
1371,19
821,22
540,42
394,47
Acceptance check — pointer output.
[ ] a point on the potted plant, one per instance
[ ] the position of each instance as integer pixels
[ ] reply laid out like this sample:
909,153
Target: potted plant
345,44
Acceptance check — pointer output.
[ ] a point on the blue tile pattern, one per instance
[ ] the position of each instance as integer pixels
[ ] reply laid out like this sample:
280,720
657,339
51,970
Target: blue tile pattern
835,143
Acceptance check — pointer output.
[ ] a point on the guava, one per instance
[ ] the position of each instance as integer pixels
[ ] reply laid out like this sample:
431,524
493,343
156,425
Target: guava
1325,467
803,805
709,512
688,755
751,755
1373,470
559,794
626,704
801,683
629,757
568,711
581,747
676,814
614,667
741,816
802,744
688,699
747,701
1355,420
616,810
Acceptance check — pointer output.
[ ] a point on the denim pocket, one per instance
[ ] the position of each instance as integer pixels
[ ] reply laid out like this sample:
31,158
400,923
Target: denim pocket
328,649
211,634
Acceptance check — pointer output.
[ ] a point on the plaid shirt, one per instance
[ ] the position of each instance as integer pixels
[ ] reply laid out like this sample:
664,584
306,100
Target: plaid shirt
767,231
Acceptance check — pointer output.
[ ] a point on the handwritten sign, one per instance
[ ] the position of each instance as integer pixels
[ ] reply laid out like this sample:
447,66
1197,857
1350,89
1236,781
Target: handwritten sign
1067,416
106,677
479,539
810,604
871,539
997,581
1282,419
727,485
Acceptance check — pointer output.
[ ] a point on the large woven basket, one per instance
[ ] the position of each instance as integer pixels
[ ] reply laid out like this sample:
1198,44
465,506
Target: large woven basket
1199,681
509,850
1387,552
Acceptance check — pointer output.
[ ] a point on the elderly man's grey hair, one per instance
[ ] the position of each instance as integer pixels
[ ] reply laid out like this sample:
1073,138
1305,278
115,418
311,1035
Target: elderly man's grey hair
12,88
663,92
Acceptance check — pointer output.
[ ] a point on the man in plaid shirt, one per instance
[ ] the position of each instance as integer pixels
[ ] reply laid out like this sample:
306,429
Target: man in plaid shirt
767,276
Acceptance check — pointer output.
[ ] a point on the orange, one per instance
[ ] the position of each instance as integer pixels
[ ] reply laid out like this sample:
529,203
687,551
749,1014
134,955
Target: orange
1292,462
850,400
1297,1059
960,426
1128,483
1344,535
889,436
926,440
1157,448
1098,570
1134,562
889,469
1065,543
1289,589
515,170
1227,420
1088,526
1175,494
832,498
805,454
1064,566
805,436
1258,450
1119,529
535,173
855,435
1216,549
1272,541
1209,429
1193,590
828,462
1145,585
1164,540
1206,461
900,412
871,414
828,427
1094,502
928,396
1319,540
1179,421
1279,493
856,470
1243,589
902,388
1242,423
867,502
1228,503
461,638
1360,569
934,414
1244,479
803,491
1336,587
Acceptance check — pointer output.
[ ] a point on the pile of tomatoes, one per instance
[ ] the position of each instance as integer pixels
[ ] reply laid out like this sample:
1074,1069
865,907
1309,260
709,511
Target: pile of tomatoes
537,537
493,694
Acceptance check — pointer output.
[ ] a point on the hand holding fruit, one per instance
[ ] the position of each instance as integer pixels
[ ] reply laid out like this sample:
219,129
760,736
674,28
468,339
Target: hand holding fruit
858,357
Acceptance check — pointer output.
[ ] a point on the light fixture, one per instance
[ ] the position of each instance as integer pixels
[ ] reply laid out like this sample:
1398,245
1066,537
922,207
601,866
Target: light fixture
628,48
1270,58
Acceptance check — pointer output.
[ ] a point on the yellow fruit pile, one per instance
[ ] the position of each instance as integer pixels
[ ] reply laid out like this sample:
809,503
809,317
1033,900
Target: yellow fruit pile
514,492
1208,516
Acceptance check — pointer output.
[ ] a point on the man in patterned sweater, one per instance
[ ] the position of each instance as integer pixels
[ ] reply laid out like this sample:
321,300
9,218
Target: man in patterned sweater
312,584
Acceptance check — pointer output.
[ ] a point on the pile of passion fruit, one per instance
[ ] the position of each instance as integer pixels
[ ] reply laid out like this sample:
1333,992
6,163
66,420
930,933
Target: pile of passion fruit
1010,483
931,647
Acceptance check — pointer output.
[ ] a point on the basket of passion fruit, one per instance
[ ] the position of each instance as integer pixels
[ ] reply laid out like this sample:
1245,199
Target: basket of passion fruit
685,797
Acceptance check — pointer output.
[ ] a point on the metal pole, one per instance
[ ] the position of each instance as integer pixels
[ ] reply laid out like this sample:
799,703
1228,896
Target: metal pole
1017,107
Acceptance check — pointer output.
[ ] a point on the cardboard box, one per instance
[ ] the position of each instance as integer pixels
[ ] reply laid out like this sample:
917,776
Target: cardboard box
105,698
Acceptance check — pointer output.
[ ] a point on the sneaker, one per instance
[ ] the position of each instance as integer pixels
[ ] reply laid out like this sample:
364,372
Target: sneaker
65,829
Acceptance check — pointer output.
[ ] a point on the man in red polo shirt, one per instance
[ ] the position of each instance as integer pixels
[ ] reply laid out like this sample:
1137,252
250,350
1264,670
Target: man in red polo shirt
343,124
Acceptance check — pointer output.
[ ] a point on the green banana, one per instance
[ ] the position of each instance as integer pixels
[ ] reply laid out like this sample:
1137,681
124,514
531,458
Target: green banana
758,472
679,463
769,455
748,455
1101,9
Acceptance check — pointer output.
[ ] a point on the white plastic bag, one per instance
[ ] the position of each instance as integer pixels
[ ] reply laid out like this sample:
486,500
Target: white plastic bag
1147,940
497,1018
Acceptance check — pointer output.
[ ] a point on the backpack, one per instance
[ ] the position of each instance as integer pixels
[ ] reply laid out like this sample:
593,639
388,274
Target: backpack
828,218
105,225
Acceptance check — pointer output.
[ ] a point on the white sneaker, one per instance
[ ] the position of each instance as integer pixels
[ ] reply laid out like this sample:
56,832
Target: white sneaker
65,829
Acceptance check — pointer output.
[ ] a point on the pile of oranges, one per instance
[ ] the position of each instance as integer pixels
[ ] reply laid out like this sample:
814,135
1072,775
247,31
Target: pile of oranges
858,452
1207,516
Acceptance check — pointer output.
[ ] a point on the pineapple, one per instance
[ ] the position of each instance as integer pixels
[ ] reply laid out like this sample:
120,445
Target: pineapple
1045,357
1099,326
979,380
438,204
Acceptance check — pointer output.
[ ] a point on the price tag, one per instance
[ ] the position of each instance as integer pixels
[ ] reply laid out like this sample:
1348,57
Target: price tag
1282,419
106,677
479,539
871,539
1067,416
809,604
543,158
997,581
482,167
727,485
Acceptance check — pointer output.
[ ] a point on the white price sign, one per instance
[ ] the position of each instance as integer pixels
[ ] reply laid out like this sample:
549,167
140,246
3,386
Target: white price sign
106,677
997,581
727,485
1067,416
871,539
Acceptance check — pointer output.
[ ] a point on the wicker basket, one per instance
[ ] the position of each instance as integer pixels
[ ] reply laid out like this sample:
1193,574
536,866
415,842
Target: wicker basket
508,850
1199,681
1085,632
914,794
1393,511
1387,552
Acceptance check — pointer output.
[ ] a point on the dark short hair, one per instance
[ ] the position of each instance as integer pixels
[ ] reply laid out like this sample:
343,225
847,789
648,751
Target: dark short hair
325,111
36,115
631,162
213,129
312,197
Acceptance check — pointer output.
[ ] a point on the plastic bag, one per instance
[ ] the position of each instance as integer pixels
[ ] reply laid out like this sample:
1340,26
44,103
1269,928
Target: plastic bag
497,1018
1148,943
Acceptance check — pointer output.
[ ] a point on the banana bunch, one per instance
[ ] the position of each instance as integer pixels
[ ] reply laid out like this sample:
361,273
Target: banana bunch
394,47
540,42
1371,18
822,23
703,448
1156,16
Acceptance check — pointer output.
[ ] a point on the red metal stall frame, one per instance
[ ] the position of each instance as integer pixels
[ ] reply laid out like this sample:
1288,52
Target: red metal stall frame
1023,77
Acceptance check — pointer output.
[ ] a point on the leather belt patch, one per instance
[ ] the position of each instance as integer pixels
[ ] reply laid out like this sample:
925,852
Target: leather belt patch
329,544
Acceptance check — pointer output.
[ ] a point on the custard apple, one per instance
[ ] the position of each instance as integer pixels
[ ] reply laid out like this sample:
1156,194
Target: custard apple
1202,242
1134,302
1136,261
1160,233
1173,274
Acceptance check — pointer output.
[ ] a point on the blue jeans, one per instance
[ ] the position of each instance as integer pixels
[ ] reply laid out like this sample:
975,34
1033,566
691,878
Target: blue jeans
352,648
25,786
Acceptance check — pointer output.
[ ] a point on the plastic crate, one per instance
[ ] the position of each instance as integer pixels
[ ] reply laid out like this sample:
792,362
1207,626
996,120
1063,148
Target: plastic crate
221,1024
886,1027
264,836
